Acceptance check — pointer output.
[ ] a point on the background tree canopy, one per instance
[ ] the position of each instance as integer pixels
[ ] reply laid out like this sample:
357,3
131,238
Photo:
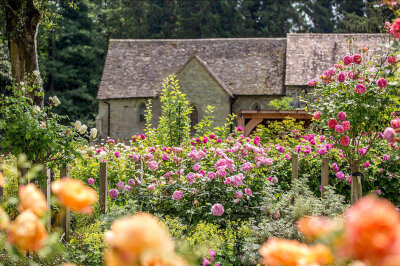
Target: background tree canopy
72,53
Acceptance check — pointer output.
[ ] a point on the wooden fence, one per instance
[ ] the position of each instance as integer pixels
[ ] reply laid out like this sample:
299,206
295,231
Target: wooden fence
64,213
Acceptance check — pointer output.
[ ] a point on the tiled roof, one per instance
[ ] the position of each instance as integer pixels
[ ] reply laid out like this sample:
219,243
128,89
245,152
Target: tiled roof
309,55
136,68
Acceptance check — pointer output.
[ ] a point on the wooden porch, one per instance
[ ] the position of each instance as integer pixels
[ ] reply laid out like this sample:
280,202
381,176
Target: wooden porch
248,120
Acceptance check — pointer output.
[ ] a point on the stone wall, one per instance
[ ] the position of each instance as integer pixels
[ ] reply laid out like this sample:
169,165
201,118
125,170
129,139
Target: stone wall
202,90
248,103
124,117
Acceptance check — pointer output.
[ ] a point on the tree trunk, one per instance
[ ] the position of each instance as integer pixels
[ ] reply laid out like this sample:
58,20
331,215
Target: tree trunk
22,23
356,187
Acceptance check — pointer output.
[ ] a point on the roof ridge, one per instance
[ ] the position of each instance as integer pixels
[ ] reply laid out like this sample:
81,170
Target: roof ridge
192,40
213,75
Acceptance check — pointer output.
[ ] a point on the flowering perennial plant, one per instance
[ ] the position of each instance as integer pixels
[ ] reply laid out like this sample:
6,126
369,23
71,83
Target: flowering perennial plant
353,100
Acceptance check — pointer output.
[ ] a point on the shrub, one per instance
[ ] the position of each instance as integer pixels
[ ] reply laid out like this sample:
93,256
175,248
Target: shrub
281,214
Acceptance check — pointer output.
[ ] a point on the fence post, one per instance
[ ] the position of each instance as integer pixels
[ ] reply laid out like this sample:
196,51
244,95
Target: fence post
47,192
324,175
65,214
103,187
295,166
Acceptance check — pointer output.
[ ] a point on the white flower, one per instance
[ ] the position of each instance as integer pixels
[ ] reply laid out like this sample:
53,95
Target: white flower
43,125
23,89
36,109
83,129
93,133
36,73
77,125
55,101
102,155
22,83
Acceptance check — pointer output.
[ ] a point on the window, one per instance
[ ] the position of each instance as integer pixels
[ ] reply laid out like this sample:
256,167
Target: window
142,109
256,107
194,118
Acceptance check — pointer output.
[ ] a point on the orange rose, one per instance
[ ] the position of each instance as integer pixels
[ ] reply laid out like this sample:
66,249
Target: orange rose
2,180
27,232
372,230
134,238
31,198
278,252
4,220
74,194
313,227
320,255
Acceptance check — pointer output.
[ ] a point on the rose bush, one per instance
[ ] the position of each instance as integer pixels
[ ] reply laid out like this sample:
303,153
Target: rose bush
353,101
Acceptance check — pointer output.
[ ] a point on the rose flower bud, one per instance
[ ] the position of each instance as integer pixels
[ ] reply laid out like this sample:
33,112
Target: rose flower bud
74,194
31,198
27,232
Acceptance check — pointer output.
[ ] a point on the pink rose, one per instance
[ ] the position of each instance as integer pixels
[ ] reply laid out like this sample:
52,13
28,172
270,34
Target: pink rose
342,116
389,134
217,209
211,175
322,151
346,125
339,129
340,175
381,83
248,191
312,83
332,123
395,123
317,115
357,59
196,167
360,89
347,60
345,141
177,195
164,157
342,77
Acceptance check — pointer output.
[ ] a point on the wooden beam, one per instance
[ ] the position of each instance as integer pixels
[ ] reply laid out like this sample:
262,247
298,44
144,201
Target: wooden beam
251,125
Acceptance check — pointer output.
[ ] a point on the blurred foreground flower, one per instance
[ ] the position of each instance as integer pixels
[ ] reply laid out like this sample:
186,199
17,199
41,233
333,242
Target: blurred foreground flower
4,220
139,240
372,231
74,194
2,180
31,198
277,252
27,232
313,227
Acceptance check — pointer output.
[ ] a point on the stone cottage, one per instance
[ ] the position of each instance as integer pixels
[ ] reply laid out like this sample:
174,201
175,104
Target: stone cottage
238,76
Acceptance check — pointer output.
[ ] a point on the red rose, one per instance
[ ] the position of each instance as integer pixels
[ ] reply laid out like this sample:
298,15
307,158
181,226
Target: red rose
332,123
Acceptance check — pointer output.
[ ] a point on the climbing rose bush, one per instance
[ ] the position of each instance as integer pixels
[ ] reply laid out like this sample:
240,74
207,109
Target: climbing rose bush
352,101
